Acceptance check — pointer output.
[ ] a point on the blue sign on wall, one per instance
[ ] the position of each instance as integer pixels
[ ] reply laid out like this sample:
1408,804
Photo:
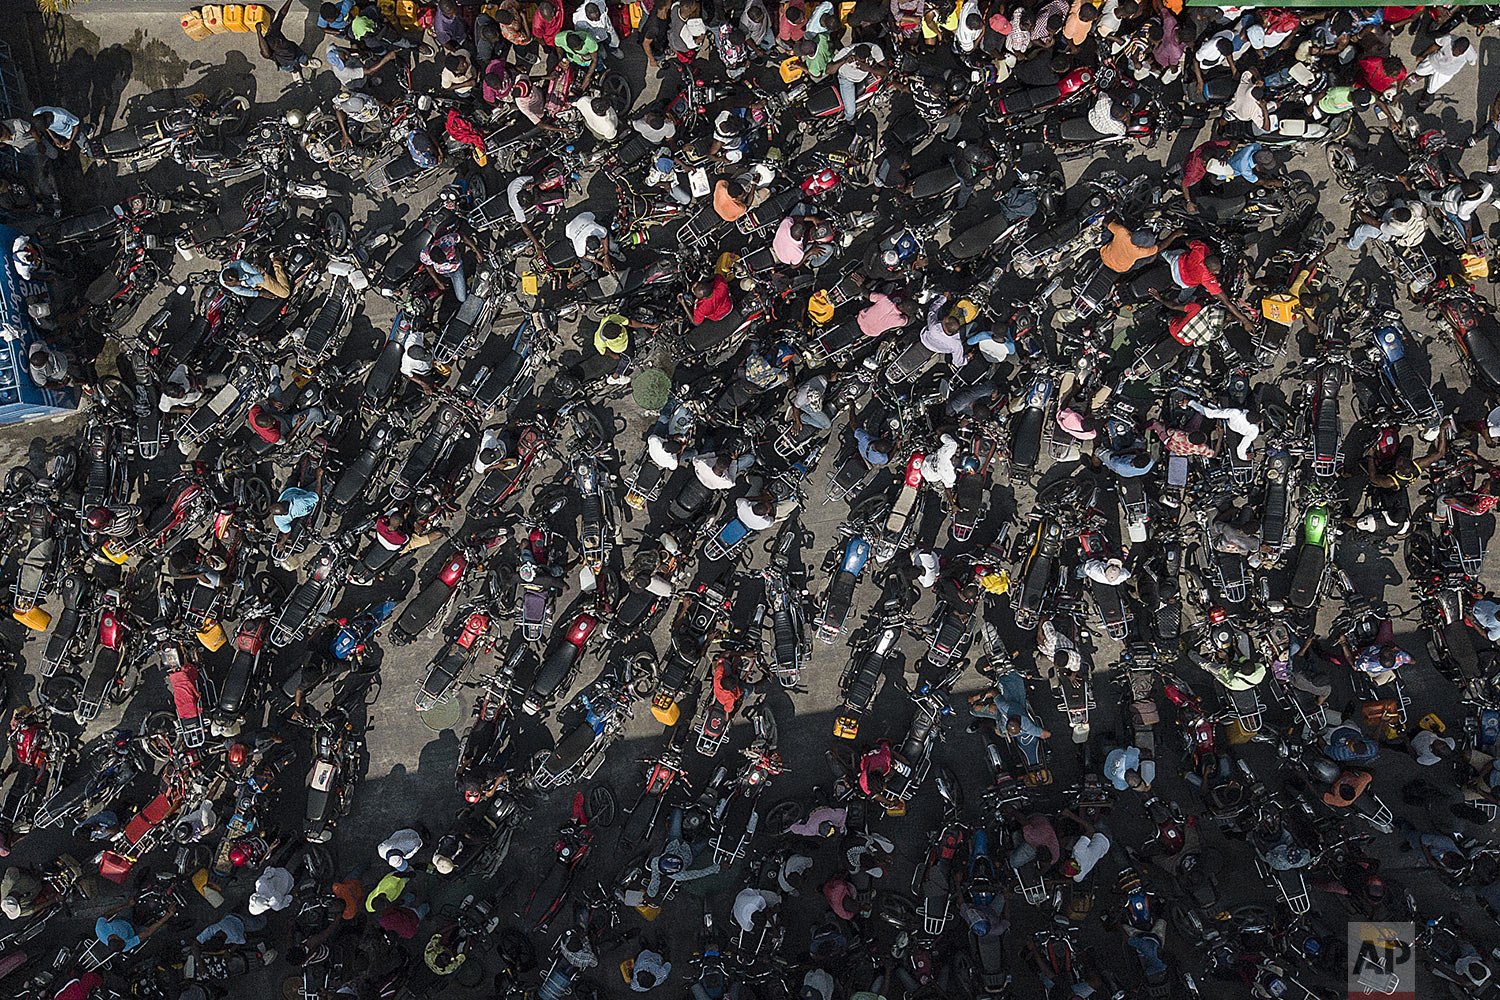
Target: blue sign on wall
20,398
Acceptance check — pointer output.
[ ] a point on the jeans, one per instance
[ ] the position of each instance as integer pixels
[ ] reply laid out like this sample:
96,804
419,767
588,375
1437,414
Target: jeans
460,289
849,94
1363,232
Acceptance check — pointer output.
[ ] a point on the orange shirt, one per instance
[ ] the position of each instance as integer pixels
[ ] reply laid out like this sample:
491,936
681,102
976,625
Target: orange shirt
1120,254
728,209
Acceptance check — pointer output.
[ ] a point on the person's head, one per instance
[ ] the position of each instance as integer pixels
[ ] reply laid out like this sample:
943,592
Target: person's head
593,12
645,979
1391,65
505,16
951,323
1060,659
1361,99
1460,45
442,864
1388,657
807,46
800,229
876,781
11,907
329,12
1401,215
1088,13
974,21
448,8
230,278
456,62
763,507
1265,162
1224,47
702,288
795,13
1133,779
1472,188
280,508
1197,438
594,244
1212,262
1245,667
547,10
1013,726
488,31
614,330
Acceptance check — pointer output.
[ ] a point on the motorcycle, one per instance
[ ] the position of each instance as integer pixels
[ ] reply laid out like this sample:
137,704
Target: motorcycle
333,775
838,598
560,663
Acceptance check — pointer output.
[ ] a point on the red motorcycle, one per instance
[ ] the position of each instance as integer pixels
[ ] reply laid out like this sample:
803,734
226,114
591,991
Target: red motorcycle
560,663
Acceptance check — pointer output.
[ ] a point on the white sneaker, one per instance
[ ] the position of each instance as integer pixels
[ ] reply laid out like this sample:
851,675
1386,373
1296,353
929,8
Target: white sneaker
618,380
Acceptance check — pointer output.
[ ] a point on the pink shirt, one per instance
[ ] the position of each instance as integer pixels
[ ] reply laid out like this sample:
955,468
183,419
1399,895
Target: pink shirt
784,248
880,316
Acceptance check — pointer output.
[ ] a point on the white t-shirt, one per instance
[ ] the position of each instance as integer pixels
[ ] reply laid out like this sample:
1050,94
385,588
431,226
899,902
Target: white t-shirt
578,231
869,50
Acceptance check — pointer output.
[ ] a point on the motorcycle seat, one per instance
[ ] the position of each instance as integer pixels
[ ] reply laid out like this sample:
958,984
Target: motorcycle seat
572,747
100,222
131,139
1077,130
1311,561
1027,445
1018,102
840,597
825,101
935,183
980,238
1483,340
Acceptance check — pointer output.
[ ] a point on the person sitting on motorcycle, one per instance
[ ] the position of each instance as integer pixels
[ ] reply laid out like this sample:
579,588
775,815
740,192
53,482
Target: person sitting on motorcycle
1236,674
242,278
874,767
710,300
1005,703
294,504
875,449
24,892
1389,468
1461,202
1347,745
940,335
29,739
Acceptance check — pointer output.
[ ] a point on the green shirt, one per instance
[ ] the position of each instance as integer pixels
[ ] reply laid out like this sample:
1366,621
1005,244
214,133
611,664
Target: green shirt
1336,100
817,63
612,346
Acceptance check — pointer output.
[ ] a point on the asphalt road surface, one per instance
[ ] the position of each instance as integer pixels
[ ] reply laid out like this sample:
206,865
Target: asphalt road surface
112,58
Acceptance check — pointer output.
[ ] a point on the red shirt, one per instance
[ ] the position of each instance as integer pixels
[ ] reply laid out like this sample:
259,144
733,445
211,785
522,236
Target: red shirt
1395,15
1191,272
1195,167
400,921
546,31
270,434
1373,75
80,988
716,306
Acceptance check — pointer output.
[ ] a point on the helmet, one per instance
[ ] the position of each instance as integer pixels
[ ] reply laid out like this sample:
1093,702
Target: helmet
239,856
471,791
296,118
784,354
99,518
237,754
442,864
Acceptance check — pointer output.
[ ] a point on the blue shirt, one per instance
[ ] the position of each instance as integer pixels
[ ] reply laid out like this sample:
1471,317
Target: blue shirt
62,123
301,503
867,449
251,278
1243,162
342,20
1486,616
119,927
